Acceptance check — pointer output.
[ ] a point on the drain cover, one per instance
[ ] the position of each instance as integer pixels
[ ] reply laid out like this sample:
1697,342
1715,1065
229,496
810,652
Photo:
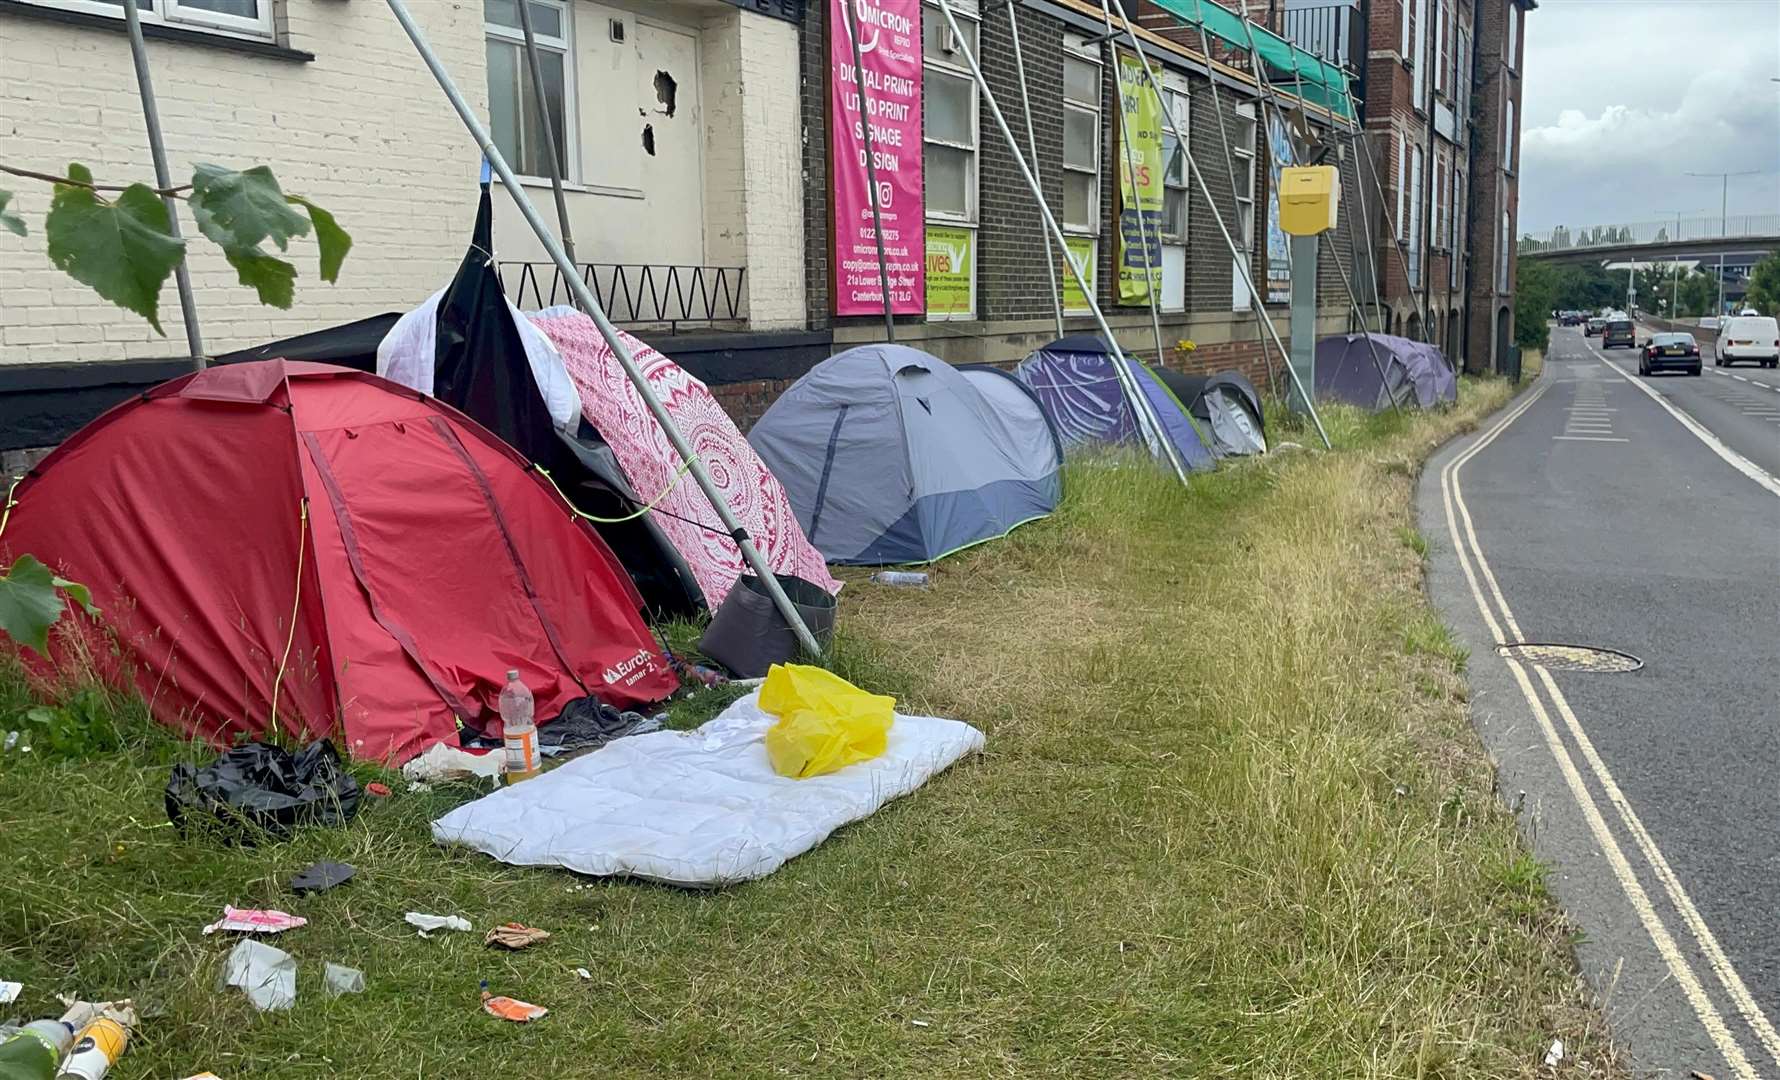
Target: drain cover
1571,657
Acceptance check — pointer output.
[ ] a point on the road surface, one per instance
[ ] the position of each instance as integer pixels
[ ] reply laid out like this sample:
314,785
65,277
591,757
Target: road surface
1642,515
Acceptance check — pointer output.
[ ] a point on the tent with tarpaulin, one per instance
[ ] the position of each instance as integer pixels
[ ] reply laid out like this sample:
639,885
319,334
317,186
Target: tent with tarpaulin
1076,383
894,456
359,561
1227,407
1415,373
550,385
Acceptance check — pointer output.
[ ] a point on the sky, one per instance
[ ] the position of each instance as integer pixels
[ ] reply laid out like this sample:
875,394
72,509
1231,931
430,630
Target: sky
1622,98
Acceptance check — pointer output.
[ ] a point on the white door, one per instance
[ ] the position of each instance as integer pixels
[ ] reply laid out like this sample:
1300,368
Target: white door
670,127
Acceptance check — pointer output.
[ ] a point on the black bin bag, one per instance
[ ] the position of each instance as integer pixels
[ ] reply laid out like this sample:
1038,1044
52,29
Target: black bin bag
259,791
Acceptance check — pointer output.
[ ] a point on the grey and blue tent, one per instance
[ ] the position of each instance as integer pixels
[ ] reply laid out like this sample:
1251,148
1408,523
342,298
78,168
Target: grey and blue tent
1228,405
890,455
1079,388
1415,373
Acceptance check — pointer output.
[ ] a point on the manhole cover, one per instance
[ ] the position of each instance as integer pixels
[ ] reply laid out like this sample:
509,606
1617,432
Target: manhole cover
1571,657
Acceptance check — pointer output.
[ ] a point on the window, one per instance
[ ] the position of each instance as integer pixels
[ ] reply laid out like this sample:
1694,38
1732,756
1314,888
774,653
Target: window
1174,197
235,18
1512,56
1402,188
1458,203
1242,152
512,106
1415,216
1420,61
949,133
1441,49
1462,74
1438,220
1502,248
1508,135
1081,145
1403,25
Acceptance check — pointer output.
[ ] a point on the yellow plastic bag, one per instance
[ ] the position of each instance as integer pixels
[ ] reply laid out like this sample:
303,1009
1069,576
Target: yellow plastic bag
825,722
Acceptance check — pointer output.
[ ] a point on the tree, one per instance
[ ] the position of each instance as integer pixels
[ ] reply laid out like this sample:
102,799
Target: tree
1764,286
1586,287
1698,293
123,248
1534,292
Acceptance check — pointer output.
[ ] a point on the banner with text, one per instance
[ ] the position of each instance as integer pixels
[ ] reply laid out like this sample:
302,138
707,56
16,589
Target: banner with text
1081,255
1140,197
951,276
1279,245
890,54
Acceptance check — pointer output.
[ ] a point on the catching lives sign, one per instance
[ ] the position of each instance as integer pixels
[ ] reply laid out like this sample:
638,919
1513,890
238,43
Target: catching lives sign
890,68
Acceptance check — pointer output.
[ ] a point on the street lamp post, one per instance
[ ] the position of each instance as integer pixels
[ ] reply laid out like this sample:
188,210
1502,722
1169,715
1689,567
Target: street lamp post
1724,206
1675,264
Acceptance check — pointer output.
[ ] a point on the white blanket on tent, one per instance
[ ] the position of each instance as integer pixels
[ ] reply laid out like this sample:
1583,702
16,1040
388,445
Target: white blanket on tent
696,808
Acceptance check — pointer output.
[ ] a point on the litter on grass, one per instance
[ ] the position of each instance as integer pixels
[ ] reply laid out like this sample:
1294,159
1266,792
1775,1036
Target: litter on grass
267,975
321,877
825,722
1556,1053
515,936
255,921
520,1012
427,924
445,762
10,991
258,789
584,974
699,808
337,979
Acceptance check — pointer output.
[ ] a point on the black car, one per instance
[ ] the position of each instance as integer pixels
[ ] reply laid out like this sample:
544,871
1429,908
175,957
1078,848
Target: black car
1670,352
1619,332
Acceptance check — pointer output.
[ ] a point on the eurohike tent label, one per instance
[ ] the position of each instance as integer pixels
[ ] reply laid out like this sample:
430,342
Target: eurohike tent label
890,65
1140,196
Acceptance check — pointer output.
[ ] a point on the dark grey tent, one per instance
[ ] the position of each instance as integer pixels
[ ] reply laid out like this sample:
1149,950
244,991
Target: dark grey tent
890,455
1229,405
1415,373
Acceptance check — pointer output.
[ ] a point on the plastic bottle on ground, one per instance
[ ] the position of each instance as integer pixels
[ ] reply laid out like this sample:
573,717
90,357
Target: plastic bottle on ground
32,1052
904,579
96,1049
518,731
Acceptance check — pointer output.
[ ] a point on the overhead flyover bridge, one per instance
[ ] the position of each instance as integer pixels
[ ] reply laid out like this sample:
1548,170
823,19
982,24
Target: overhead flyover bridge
1742,239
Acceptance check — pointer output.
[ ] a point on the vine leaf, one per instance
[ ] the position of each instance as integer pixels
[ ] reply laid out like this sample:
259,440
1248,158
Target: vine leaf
9,219
123,250
329,236
30,603
240,210
271,277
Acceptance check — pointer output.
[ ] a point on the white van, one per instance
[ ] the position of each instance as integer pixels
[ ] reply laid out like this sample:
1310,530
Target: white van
1747,337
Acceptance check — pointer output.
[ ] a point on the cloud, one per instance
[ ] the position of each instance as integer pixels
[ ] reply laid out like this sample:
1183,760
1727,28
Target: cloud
1619,108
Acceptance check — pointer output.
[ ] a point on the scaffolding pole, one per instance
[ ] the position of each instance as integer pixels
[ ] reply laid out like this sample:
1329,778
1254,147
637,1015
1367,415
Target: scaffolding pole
1013,25
1384,208
590,304
1148,423
1223,229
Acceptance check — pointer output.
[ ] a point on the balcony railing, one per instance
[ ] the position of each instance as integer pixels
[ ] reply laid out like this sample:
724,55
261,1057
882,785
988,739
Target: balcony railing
639,294
1330,31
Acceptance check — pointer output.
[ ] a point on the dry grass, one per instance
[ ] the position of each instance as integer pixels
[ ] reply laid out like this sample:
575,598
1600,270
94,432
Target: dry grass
1231,821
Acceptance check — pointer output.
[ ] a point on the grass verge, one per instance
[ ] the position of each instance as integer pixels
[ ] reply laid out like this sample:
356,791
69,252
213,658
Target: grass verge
1231,821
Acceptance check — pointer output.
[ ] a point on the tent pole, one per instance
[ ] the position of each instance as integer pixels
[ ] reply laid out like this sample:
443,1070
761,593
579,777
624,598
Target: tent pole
1013,25
871,173
1143,233
1217,215
531,61
1147,422
157,149
1217,109
591,305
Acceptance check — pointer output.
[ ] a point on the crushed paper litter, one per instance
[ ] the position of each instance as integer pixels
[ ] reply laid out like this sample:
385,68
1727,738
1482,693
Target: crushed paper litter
255,921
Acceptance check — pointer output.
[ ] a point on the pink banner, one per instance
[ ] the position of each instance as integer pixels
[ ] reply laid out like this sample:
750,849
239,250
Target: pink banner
890,53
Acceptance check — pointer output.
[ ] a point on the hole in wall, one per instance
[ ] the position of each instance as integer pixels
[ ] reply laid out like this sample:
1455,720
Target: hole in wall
666,90
649,139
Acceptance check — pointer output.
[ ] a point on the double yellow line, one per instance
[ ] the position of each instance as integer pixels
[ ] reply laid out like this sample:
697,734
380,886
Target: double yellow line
1493,606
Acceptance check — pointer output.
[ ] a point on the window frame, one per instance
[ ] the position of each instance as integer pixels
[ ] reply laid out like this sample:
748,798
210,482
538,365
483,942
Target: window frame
183,14
1402,229
1244,152
1177,103
1417,163
970,220
1080,52
1510,54
563,46
1508,139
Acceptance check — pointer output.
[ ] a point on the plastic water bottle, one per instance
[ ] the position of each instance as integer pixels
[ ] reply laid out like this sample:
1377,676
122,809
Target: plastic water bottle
100,1044
518,731
902,579
33,1052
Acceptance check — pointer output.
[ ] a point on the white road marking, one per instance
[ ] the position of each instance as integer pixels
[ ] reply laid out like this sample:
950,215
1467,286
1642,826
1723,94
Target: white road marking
1710,1018
1585,438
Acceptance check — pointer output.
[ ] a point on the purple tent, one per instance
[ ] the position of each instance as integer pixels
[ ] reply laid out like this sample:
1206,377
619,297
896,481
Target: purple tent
1079,389
1415,373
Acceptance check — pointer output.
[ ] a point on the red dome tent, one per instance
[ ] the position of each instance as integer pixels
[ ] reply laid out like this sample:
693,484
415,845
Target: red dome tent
417,555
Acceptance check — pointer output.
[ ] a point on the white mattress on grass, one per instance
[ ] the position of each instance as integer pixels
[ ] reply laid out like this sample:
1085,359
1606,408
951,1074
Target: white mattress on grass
696,808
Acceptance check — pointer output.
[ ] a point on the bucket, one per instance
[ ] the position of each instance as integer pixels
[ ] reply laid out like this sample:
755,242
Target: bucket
748,635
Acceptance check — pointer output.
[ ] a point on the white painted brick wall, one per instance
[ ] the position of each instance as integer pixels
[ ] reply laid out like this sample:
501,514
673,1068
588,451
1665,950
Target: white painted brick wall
773,178
363,130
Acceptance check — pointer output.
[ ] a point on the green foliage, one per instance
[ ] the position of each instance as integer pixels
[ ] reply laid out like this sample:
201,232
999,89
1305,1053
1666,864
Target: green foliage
1764,286
1584,287
31,601
1534,297
123,250
82,725
1697,294
9,220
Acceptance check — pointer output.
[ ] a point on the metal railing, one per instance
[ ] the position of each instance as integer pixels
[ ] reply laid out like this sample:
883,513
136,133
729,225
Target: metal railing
1330,31
638,294
1564,238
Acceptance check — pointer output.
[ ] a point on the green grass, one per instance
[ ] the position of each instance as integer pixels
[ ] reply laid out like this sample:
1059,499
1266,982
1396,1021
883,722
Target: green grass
1231,820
